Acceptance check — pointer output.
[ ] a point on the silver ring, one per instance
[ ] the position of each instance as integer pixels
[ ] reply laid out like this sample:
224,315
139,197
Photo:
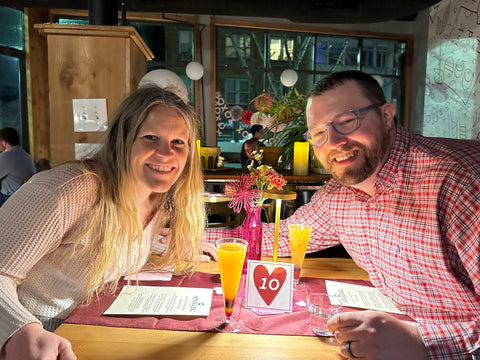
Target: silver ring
348,349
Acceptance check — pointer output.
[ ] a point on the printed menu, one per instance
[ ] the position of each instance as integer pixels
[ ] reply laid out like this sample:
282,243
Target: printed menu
162,301
358,296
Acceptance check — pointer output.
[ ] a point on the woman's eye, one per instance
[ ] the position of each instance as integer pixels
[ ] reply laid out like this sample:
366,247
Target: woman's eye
150,137
179,142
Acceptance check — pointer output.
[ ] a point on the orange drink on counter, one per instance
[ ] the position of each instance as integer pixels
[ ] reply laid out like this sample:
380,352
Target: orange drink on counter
298,235
231,255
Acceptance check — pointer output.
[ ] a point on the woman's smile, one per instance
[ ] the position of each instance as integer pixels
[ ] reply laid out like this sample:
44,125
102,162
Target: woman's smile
161,168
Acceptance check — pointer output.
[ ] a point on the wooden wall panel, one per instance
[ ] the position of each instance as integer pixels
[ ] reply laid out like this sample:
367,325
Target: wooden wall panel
37,85
84,62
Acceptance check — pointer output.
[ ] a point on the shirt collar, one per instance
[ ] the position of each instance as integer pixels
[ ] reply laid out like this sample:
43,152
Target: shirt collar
12,148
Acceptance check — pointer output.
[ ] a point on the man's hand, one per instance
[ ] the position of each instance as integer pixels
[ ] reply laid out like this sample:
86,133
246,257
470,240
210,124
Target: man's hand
32,342
376,335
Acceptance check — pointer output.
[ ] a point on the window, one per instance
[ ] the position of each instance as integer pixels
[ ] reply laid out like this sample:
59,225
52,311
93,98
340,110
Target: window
281,49
185,44
237,46
236,91
382,56
13,109
333,53
250,61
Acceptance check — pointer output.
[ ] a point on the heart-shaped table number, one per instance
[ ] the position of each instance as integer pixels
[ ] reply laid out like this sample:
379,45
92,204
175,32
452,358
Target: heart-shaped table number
269,285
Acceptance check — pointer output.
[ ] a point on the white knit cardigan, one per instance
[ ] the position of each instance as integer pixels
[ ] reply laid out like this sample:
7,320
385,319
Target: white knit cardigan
38,226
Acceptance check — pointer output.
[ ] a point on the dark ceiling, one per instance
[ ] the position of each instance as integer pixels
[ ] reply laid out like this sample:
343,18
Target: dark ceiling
298,11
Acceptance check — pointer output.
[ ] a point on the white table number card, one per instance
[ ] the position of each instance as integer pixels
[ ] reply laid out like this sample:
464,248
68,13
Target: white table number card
269,285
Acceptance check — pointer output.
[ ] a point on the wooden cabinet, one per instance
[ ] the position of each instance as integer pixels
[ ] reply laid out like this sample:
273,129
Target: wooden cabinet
88,61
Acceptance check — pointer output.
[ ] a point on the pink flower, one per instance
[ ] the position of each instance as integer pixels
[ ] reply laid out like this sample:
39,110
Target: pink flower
263,102
275,179
241,192
247,116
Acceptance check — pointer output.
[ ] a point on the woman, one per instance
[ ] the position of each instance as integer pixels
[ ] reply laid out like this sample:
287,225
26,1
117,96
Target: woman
73,231
251,144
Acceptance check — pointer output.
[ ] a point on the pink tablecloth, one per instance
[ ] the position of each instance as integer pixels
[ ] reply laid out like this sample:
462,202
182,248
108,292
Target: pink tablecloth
295,323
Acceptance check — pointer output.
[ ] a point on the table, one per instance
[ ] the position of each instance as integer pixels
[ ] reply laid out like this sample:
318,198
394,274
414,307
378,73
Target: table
221,175
99,342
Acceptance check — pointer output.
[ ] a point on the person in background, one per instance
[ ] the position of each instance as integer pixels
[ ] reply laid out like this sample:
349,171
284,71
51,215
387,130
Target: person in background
251,144
71,232
16,165
407,210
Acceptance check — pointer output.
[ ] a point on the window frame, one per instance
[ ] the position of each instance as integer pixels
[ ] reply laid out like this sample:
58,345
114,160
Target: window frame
20,54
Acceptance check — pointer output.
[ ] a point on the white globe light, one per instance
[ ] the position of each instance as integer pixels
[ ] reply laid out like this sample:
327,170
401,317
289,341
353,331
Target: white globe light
166,79
288,77
194,70
379,79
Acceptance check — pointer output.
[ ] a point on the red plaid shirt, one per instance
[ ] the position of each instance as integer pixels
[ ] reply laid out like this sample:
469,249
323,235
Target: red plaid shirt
418,236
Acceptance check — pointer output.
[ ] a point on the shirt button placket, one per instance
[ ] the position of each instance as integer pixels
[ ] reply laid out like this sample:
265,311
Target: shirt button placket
372,206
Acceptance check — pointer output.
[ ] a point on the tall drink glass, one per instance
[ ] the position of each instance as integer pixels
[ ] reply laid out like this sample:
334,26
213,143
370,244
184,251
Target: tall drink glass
231,255
298,235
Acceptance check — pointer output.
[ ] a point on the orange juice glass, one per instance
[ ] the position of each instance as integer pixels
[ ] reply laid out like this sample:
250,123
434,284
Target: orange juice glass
231,255
298,235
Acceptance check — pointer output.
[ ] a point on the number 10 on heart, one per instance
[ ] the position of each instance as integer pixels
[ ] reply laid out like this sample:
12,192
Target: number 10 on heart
269,285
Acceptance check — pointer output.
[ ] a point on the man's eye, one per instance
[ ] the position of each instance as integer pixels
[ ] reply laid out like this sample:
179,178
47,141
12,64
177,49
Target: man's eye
345,122
318,133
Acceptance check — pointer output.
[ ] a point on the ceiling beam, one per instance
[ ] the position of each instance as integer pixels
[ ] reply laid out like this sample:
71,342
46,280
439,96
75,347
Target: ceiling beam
303,11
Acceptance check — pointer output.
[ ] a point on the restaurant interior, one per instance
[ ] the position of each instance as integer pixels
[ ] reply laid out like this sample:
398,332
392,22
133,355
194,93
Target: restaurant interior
70,63
67,64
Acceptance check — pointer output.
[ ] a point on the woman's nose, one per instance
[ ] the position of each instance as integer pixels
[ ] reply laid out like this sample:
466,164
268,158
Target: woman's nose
163,148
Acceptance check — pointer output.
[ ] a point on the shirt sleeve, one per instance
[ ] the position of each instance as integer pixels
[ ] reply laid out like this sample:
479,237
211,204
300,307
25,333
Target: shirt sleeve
459,215
31,227
452,341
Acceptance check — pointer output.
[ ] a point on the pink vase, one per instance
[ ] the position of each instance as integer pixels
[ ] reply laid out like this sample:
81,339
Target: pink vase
252,232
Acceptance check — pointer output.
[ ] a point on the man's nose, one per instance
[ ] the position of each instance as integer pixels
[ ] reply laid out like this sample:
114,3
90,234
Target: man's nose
334,137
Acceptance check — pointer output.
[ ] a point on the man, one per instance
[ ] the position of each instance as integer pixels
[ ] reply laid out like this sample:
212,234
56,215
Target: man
407,209
16,165
251,144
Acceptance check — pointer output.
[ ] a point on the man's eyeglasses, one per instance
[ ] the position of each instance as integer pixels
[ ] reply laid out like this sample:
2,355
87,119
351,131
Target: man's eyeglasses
344,124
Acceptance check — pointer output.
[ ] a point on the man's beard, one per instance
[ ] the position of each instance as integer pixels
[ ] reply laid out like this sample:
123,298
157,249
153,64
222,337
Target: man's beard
373,156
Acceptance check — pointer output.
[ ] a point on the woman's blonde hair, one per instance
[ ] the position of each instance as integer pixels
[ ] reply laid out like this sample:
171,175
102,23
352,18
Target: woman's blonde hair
115,216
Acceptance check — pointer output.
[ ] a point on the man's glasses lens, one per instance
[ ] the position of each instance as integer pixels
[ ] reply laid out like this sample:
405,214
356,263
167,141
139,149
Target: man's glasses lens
344,124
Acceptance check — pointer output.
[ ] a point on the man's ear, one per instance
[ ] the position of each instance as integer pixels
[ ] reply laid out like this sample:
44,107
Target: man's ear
388,112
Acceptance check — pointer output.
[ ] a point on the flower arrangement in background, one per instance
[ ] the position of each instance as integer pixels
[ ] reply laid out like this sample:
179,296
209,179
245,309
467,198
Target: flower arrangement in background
282,117
247,192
